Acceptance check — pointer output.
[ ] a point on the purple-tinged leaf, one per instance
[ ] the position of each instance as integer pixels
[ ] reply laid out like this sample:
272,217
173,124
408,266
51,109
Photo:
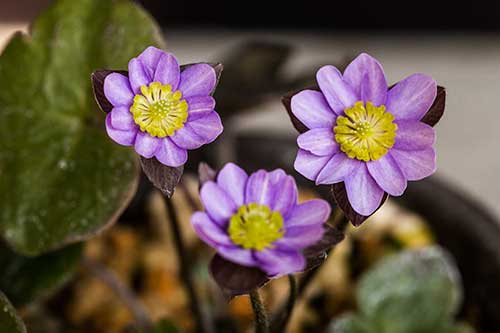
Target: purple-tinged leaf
98,87
163,177
316,254
206,173
437,108
234,279
287,102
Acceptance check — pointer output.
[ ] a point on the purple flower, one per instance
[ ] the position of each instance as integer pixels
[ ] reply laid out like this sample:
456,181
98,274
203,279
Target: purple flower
363,134
160,110
255,220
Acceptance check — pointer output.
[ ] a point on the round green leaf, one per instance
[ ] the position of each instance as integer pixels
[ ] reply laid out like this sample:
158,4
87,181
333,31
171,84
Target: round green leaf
25,279
415,291
61,178
9,320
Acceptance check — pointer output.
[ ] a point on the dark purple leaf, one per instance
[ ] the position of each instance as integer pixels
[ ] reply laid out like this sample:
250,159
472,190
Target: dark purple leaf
297,124
98,86
437,109
206,173
287,102
163,177
340,196
234,279
317,253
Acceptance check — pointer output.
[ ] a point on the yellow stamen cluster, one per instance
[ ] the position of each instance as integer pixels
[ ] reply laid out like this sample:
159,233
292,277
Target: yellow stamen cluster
158,110
367,132
255,227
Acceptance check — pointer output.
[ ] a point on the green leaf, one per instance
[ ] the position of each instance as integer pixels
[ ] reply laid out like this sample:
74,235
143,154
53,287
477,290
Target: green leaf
349,323
25,279
61,178
414,291
165,326
9,320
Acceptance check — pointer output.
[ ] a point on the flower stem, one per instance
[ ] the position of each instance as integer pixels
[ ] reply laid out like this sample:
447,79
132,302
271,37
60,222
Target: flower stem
261,322
310,275
143,321
280,320
203,325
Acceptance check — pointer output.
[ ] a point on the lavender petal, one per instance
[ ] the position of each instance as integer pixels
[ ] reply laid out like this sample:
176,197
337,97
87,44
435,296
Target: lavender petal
339,94
117,90
388,175
218,204
363,192
233,179
366,76
412,97
198,80
170,154
417,164
125,138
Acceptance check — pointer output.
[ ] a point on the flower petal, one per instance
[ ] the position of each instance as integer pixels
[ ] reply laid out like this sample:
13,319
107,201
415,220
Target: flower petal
309,165
412,97
300,237
259,189
150,58
237,255
312,212
266,188
363,192
319,141
146,145
285,197
233,179
416,164
117,90
198,80
170,154
388,175
366,76
199,106
312,109
278,263
414,135
339,94
218,204
125,138
208,127
122,119
337,168
137,75
168,71
198,132
186,138
209,231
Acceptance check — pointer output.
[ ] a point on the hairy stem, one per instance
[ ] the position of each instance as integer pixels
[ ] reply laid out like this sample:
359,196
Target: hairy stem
261,322
280,320
109,278
310,275
203,325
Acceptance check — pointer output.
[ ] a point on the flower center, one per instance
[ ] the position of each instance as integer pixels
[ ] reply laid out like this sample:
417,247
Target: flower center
255,226
367,132
158,110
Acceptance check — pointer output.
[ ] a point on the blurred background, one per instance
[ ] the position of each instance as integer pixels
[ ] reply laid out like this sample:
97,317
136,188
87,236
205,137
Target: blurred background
268,49
458,43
